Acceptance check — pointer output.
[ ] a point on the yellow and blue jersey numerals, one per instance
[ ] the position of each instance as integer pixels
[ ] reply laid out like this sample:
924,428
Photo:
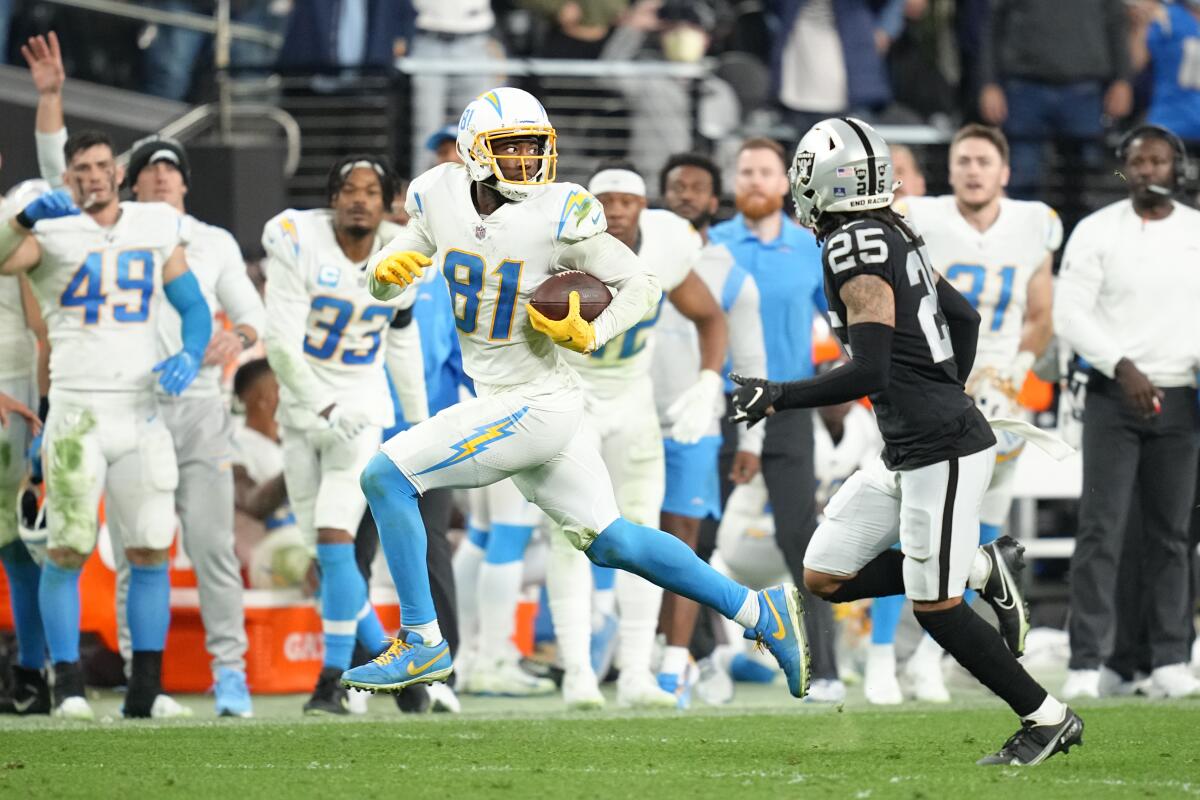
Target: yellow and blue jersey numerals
134,272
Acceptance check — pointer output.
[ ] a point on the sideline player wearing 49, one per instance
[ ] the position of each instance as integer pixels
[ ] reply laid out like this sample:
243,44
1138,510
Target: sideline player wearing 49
912,341
497,226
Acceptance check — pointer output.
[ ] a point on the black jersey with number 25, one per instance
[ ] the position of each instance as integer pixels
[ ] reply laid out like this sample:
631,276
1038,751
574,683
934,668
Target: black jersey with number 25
924,415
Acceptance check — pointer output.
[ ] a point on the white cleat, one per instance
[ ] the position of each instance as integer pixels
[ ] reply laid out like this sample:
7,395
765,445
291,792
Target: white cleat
926,679
879,684
643,691
580,691
1081,683
76,708
166,707
505,678
442,699
826,690
1174,681
715,687
357,701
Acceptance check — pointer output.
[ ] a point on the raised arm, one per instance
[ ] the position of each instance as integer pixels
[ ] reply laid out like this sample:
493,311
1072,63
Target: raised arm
44,58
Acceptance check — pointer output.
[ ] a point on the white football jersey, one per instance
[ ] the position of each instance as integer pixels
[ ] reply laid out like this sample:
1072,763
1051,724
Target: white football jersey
100,290
262,458
991,268
215,259
18,346
671,247
834,462
492,267
345,327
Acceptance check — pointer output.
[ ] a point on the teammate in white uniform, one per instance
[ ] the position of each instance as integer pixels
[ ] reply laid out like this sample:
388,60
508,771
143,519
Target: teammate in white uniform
328,341
19,317
489,568
200,424
620,410
282,559
691,187
97,276
998,253
497,226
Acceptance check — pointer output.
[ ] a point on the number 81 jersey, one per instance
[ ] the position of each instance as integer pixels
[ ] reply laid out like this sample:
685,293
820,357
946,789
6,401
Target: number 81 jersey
343,329
99,289
990,268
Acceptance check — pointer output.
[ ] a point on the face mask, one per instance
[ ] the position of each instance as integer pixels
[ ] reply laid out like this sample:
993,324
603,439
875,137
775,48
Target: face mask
686,43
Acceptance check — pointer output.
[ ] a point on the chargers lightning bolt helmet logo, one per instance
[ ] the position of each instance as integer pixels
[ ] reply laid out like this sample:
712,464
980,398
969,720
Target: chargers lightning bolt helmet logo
507,113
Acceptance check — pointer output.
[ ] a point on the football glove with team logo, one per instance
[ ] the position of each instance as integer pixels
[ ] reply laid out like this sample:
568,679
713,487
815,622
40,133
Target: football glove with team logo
753,399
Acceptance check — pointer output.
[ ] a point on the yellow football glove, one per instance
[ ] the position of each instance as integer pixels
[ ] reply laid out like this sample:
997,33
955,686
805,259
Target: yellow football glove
401,268
573,332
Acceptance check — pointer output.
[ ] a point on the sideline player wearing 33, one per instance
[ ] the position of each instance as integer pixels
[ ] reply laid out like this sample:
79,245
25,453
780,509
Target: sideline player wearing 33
497,226
329,341
912,342
96,275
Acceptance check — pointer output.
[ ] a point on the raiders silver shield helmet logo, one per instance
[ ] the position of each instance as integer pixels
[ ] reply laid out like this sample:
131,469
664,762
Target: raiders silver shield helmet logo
841,164
802,167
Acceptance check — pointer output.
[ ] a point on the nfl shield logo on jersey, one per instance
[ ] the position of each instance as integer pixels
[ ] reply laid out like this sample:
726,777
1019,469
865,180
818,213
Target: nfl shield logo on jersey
802,166
480,232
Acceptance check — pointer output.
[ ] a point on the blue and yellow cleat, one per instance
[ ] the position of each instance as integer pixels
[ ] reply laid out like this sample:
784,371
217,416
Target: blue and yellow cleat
407,661
780,630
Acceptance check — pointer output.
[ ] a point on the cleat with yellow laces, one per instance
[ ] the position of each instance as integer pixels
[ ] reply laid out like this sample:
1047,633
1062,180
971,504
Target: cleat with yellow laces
780,631
407,661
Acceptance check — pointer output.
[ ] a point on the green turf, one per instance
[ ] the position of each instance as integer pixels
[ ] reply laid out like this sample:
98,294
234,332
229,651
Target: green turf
765,746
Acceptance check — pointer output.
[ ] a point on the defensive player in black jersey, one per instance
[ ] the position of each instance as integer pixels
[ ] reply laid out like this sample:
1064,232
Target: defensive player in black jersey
911,338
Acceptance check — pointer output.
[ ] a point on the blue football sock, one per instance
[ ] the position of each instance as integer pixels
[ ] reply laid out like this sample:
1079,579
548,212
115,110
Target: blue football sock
393,501
370,633
343,592
885,616
507,543
666,561
23,576
477,537
58,600
603,579
148,606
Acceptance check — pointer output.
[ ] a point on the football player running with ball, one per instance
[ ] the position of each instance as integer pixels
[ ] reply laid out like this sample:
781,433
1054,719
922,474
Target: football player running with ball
497,226
912,340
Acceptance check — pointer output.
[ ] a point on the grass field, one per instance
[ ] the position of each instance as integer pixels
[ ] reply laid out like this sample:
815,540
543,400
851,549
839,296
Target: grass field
764,745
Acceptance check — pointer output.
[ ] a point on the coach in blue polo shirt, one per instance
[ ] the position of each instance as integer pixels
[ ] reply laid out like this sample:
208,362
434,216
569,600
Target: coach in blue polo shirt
785,261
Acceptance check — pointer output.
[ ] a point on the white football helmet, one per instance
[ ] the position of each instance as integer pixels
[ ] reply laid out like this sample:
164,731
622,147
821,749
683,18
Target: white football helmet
841,164
506,113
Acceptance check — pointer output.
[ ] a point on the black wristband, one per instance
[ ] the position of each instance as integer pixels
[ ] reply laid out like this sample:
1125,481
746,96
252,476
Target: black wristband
43,408
24,221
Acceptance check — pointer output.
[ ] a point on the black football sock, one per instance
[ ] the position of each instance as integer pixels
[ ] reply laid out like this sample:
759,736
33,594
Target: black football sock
881,577
145,682
979,648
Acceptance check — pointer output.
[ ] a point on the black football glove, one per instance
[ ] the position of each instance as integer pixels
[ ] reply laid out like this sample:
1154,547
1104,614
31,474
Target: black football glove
753,399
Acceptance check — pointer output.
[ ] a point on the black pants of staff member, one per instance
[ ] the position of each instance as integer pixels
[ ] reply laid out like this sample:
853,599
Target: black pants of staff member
1156,458
436,507
787,468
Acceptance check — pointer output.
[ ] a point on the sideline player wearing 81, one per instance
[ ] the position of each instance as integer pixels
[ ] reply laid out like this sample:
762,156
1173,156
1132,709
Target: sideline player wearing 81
912,340
497,226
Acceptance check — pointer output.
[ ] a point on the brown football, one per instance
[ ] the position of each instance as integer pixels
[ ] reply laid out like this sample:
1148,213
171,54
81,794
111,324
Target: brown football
551,297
